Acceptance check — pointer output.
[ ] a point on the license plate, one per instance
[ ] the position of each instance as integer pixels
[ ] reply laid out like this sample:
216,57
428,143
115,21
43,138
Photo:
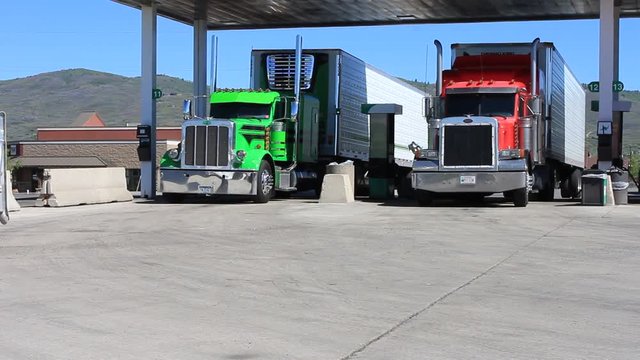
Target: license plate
468,180
204,189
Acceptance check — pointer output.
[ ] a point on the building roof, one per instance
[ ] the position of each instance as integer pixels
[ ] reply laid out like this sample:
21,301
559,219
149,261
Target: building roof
104,133
58,161
88,118
254,14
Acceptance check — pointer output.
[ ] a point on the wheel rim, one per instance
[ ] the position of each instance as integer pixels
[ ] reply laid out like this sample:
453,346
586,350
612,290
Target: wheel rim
267,181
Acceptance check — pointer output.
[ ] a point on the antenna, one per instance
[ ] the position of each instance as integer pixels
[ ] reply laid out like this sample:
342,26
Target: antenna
426,71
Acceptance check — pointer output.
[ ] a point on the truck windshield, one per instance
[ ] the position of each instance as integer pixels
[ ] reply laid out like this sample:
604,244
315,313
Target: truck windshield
241,110
480,104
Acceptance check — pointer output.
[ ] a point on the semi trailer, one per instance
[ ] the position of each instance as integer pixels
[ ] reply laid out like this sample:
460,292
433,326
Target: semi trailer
302,112
507,118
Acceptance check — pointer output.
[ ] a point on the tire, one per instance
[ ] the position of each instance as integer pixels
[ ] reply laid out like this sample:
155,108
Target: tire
173,198
265,189
424,198
405,191
547,193
575,183
564,190
520,197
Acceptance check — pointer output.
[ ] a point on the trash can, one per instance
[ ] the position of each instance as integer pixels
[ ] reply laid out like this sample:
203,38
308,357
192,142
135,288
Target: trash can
594,187
620,185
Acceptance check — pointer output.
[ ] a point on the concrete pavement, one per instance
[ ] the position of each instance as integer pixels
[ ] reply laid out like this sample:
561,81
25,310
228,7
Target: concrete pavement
293,279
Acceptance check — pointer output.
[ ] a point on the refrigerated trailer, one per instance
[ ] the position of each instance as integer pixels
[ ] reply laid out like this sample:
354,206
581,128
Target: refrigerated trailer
506,118
277,136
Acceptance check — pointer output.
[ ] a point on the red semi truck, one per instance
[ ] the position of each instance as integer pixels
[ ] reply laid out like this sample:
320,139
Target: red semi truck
506,118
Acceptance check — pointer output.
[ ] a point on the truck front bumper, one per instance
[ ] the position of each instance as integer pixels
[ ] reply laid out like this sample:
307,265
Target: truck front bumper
208,182
467,182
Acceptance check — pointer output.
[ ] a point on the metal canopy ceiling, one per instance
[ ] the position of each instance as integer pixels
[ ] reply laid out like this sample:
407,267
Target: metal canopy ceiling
254,14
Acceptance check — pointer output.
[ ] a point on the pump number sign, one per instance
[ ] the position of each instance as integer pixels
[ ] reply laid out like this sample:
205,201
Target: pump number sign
617,86
157,94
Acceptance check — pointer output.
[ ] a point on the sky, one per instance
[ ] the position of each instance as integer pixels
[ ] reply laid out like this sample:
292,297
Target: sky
39,36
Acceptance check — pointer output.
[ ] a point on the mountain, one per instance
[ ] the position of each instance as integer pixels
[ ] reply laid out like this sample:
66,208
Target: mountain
55,99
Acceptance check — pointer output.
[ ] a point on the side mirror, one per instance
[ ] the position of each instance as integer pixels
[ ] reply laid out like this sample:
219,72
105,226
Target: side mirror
186,109
535,106
294,110
427,110
433,107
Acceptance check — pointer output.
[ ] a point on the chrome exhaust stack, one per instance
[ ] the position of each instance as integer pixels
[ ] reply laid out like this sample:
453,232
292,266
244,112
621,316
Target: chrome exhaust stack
214,64
439,68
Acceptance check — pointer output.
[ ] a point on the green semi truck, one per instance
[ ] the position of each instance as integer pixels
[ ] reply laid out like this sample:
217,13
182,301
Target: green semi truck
301,113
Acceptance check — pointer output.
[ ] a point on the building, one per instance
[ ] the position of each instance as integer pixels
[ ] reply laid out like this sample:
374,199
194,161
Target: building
89,143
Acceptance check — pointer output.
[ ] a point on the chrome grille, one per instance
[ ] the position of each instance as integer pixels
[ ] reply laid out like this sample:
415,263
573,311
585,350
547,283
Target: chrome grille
468,145
206,145
281,70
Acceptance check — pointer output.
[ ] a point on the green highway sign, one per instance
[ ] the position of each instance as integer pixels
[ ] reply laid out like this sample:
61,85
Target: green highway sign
594,86
157,94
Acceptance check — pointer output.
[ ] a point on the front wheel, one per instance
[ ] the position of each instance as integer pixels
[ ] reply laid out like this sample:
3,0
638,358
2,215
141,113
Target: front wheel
520,197
265,189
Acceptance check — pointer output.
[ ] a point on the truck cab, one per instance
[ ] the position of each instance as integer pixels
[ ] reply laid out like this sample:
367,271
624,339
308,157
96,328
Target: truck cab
239,149
493,126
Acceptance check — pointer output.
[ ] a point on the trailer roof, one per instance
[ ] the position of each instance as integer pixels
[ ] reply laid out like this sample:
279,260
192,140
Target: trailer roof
255,14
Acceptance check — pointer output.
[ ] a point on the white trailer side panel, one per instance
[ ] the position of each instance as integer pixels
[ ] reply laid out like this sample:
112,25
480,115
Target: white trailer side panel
567,110
353,125
363,84
411,124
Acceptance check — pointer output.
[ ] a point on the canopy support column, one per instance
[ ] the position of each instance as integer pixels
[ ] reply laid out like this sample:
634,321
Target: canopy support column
147,102
608,144
200,59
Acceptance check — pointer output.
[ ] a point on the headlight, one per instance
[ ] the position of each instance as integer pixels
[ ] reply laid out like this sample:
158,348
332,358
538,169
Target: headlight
241,154
174,154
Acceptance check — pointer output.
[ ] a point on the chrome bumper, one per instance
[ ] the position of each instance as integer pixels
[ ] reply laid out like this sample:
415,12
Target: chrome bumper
451,182
208,182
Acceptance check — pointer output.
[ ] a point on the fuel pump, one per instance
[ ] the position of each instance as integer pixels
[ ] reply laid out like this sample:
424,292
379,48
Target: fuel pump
143,133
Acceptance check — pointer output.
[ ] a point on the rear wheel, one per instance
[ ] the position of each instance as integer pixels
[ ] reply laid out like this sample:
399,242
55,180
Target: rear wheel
520,197
547,193
265,189
575,183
